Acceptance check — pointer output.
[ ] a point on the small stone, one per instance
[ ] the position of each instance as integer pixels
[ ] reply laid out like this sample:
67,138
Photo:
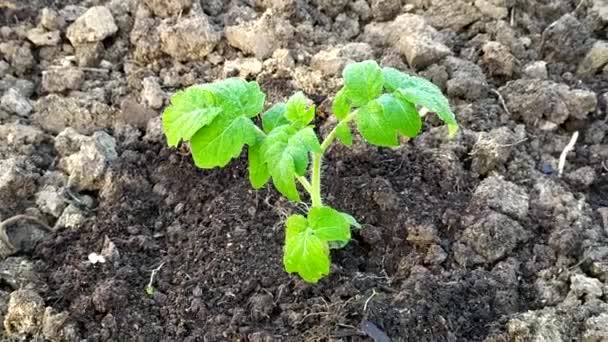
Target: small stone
346,27
20,273
422,235
537,69
109,250
496,9
50,200
260,38
154,130
595,60
51,20
600,8
57,80
331,7
89,54
467,80
4,68
54,113
513,199
361,7
499,59
56,326
16,181
421,50
71,13
191,39
261,306
134,113
25,312
328,62
582,177
596,327
96,24
435,255
585,287
492,149
87,167
151,94
492,235
383,10
71,218
13,102
18,54
453,14
371,235
167,8
565,40
41,37
604,215
535,100
244,67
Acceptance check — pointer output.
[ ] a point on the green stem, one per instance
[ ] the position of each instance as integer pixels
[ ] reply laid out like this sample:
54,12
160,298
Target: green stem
317,161
305,184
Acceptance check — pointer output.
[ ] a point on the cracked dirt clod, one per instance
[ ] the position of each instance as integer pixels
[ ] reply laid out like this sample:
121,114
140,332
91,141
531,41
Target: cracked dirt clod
190,39
61,79
25,313
533,100
86,168
492,235
167,8
261,37
96,24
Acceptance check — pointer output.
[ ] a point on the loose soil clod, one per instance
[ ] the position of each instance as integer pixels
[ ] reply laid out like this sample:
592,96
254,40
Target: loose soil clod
470,239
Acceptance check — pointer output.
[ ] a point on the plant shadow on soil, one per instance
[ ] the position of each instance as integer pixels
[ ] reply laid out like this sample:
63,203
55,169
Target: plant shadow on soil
220,244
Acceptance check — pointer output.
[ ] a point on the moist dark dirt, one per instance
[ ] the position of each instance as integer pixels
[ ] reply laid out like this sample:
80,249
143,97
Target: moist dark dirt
196,255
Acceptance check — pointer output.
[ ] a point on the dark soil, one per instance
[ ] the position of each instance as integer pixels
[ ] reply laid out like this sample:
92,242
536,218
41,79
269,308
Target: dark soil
439,258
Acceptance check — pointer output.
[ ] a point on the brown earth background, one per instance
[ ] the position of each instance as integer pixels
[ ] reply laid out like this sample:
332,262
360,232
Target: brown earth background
475,238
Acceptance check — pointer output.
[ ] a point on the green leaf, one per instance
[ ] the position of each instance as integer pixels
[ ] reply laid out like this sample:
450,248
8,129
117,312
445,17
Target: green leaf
274,117
352,221
216,144
329,224
363,82
306,255
375,127
344,134
420,91
258,171
190,110
299,110
381,120
286,153
237,96
402,114
340,107
295,225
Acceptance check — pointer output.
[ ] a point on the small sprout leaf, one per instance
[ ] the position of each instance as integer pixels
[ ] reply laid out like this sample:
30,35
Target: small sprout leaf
299,110
306,255
190,110
258,170
363,82
344,134
422,92
340,107
274,117
329,224
285,152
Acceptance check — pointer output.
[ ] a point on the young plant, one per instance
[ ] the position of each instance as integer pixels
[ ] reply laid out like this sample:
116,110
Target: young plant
216,119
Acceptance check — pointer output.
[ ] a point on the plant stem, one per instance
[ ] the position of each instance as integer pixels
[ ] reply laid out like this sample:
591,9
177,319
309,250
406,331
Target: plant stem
317,161
305,184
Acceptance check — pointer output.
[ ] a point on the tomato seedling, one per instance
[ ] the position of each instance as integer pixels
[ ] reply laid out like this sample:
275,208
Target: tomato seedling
216,119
